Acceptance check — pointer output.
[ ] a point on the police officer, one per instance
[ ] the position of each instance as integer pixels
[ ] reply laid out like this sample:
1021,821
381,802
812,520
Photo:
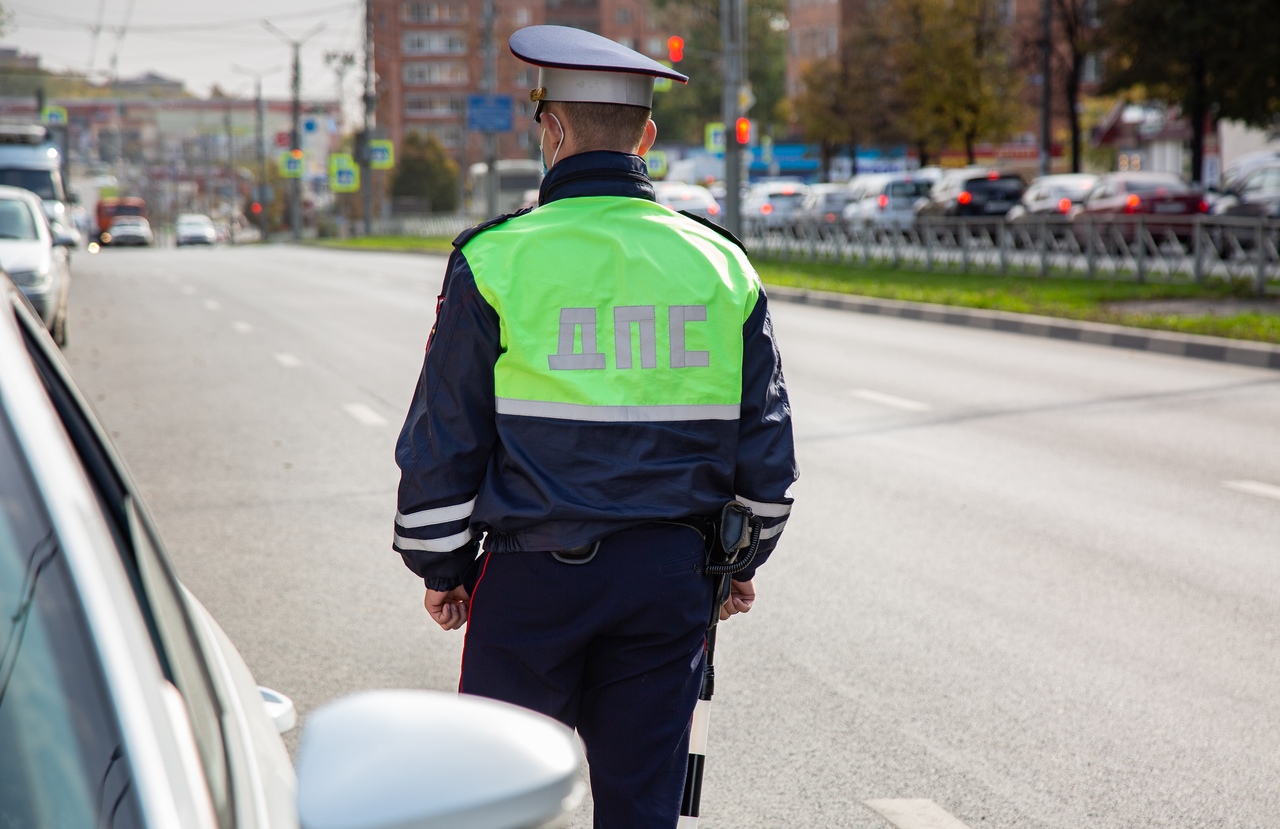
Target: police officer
602,375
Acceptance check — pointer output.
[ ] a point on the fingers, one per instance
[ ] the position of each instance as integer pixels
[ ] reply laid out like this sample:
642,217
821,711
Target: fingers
742,596
446,609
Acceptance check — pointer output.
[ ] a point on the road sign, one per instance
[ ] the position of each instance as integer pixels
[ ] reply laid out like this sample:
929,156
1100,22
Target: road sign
746,99
53,116
662,84
344,175
282,139
291,165
489,113
713,137
656,161
382,154
309,125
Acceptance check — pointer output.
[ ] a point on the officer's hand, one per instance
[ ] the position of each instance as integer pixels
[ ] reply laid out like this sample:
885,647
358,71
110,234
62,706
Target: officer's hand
449,609
741,595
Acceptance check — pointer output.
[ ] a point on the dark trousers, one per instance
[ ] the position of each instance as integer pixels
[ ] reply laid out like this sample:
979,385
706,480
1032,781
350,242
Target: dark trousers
613,648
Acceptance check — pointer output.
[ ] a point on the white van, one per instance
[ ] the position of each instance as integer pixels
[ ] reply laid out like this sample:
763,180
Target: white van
29,159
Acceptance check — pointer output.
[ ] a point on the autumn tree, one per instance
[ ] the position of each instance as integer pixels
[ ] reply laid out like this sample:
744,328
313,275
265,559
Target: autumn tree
1211,60
425,171
1073,38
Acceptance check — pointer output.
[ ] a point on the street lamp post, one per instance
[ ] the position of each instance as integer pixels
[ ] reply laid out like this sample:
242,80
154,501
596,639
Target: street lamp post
295,199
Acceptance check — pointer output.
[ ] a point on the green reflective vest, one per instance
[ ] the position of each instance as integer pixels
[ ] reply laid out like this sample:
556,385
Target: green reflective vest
615,309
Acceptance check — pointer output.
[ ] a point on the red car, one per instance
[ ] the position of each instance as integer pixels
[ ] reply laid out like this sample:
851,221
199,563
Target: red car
1162,201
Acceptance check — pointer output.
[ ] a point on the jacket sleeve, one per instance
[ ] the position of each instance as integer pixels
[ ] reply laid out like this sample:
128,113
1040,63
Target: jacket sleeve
448,435
766,449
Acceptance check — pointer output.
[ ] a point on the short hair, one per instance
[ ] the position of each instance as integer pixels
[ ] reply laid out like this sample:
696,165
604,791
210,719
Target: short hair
605,126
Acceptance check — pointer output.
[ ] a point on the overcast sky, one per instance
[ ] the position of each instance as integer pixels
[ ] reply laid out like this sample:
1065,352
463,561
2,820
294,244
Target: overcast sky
196,42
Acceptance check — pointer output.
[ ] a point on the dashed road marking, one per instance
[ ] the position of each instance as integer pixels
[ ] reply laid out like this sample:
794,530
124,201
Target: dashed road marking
891,400
919,813
242,327
288,360
1258,488
211,305
364,414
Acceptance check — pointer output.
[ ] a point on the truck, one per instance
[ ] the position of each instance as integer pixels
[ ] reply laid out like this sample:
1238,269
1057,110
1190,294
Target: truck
31,159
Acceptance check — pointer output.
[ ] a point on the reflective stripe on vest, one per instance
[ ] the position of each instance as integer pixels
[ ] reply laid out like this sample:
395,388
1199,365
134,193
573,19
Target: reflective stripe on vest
615,309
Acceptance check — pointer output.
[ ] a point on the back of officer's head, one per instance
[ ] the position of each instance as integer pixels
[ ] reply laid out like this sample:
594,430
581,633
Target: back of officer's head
615,127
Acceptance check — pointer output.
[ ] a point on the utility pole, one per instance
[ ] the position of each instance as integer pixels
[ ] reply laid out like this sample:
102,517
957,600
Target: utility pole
260,194
490,88
295,136
733,35
370,118
1046,98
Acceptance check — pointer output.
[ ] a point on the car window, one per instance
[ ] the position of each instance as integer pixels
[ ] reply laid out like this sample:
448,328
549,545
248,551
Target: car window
44,183
16,221
159,595
907,189
62,760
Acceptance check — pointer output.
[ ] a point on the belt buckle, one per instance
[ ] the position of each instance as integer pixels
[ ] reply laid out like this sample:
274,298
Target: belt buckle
577,555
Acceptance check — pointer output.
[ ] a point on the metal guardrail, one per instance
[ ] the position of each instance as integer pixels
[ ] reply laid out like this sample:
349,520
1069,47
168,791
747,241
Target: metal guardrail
446,225
1138,248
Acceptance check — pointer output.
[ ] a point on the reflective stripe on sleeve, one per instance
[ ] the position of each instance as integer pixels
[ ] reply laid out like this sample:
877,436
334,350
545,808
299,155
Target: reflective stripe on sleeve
764,509
434,545
772,531
615,414
439,515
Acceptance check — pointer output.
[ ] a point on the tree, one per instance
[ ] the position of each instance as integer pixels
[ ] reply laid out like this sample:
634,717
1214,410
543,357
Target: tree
1073,38
1211,60
425,171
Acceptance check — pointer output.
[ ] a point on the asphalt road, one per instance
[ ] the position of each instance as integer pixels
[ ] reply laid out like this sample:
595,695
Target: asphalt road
1033,582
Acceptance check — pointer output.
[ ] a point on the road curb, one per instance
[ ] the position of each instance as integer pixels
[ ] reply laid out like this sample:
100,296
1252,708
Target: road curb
1196,346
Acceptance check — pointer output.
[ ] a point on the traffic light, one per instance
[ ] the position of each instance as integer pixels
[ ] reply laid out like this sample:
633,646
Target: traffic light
255,208
675,48
742,130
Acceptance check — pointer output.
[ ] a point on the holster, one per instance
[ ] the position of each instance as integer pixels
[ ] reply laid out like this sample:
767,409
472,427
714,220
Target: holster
734,540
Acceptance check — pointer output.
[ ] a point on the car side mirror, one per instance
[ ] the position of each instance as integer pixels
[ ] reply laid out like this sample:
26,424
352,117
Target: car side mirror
65,240
429,760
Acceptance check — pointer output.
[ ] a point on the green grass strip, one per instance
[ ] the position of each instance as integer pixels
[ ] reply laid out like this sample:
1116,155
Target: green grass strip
396,244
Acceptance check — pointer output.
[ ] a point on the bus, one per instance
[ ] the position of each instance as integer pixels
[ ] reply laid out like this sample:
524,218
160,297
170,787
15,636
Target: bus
517,177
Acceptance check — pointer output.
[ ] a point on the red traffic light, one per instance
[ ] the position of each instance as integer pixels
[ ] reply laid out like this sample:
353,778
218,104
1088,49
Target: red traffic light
255,208
675,48
742,130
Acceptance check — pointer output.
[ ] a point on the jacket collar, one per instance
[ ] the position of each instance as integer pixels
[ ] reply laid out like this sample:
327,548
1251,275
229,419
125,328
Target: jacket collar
597,173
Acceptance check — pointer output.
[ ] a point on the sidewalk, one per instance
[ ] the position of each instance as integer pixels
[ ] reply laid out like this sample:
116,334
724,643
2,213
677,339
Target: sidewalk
1220,349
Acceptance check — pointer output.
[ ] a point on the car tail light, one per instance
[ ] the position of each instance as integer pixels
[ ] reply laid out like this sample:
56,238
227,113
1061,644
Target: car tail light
766,208
1132,203
830,217
965,197
993,175
1064,206
1203,207
788,191
713,209
883,201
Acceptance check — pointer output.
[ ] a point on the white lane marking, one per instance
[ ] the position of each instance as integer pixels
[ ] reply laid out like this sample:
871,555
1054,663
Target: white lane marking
288,360
919,813
211,305
890,400
1254,488
188,290
242,327
364,414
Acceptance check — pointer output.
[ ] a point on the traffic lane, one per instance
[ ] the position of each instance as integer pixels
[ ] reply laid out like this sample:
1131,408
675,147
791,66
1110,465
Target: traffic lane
948,619
275,500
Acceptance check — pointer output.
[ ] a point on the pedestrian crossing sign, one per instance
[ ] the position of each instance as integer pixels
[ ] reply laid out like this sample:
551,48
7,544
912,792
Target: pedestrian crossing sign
382,154
291,164
344,175
54,116
656,161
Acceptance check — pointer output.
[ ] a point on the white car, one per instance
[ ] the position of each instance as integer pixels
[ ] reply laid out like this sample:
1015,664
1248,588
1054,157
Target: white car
36,257
885,201
123,704
773,205
691,198
129,230
194,229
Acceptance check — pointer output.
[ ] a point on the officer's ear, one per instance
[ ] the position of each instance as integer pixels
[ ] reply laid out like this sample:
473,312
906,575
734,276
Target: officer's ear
646,140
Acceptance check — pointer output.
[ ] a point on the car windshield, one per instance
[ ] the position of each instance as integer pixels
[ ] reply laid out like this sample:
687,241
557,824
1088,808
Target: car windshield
791,199
836,201
1150,185
907,189
40,182
995,188
195,222
62,761
129,221
16,221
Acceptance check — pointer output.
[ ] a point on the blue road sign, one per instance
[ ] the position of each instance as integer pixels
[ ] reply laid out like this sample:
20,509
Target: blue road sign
489,113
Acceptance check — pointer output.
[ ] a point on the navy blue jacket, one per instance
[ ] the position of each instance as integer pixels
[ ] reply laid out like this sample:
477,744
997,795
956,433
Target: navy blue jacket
532,483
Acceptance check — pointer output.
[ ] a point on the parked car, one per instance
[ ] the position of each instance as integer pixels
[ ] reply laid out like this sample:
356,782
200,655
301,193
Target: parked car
194,229
1254,194
126,705
885,201
823,207
129,230
1049,199
36,257
691,198
1163,201
972,191
30,159
773,204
